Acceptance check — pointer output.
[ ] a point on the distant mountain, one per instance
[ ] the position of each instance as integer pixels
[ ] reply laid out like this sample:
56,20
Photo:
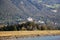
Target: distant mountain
45,9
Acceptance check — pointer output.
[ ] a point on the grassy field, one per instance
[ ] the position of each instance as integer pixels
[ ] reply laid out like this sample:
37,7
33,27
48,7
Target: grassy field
29,33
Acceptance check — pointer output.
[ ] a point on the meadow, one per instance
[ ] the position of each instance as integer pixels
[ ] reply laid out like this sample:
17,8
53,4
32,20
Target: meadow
29,33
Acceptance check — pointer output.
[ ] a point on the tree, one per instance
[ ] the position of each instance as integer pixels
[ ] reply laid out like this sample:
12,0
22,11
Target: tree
44,27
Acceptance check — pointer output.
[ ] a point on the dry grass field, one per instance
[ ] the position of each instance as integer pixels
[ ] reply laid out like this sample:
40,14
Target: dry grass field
29,33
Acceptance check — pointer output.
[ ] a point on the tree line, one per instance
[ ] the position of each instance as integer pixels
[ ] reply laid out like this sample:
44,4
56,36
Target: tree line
29,26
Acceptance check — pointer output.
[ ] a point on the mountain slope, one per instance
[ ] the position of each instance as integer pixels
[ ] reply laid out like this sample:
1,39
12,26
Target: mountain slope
13,9
38,8
9,10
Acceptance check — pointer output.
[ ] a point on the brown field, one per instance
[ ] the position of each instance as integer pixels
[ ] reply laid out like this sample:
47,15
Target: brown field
29,33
